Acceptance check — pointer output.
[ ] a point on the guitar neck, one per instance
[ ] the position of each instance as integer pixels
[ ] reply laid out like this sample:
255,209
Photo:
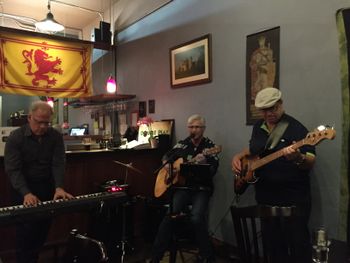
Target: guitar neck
269,158
207,152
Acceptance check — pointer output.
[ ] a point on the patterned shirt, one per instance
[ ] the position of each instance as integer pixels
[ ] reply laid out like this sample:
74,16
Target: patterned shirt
187,150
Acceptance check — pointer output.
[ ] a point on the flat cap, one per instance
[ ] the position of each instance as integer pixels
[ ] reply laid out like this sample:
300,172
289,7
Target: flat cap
267,97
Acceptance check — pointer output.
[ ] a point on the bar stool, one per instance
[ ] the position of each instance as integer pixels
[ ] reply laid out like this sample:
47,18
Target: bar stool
183,241
81,248
183,238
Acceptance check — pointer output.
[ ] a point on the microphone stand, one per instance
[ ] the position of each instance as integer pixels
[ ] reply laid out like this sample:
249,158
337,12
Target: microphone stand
125,206
170,160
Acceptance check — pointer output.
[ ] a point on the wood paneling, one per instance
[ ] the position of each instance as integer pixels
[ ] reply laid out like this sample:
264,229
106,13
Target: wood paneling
85,173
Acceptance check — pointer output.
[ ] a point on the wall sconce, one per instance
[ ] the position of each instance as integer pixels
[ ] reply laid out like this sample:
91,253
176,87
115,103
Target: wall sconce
49,24
111,85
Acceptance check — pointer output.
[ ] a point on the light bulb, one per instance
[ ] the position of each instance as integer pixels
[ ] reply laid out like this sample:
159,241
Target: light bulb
111,85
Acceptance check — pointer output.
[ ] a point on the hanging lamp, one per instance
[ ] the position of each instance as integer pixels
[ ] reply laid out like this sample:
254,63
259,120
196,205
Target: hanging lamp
49,24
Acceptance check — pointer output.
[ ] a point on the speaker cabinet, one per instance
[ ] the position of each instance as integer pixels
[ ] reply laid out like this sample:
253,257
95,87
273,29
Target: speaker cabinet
105,32
96,35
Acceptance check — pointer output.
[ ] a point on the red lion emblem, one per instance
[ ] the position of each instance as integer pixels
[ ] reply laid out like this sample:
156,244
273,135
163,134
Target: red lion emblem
44,66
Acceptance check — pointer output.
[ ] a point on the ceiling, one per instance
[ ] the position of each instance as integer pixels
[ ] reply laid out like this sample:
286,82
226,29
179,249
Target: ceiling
68,13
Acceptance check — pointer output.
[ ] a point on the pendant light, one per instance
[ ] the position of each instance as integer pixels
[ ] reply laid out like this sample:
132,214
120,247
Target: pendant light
49,24
111,85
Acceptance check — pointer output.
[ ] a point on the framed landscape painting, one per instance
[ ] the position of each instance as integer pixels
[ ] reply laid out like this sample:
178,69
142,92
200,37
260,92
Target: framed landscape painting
190,63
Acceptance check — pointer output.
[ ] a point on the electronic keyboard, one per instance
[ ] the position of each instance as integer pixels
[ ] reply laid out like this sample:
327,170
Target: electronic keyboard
20,213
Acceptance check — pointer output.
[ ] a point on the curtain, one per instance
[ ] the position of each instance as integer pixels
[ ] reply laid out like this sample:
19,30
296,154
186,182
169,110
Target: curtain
343,25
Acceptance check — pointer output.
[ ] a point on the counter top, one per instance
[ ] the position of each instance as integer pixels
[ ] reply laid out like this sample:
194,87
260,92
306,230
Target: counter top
110,150
91,151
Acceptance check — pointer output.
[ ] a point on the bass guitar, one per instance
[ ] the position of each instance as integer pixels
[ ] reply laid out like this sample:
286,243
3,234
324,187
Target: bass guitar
251,163
166,179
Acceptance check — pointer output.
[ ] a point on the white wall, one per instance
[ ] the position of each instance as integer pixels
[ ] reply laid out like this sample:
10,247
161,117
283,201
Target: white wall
309,81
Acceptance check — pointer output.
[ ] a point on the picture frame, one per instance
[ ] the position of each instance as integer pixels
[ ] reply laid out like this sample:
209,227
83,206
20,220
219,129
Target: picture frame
190,62
262,67
151,106
142,109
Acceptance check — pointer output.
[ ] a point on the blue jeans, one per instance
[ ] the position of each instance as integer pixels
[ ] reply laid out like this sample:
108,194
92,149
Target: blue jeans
199,215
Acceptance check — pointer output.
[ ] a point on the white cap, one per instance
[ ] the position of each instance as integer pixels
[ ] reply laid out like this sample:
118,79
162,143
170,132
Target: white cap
267,98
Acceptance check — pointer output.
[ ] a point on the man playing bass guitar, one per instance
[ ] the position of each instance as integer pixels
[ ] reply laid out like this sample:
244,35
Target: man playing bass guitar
192,149
284,181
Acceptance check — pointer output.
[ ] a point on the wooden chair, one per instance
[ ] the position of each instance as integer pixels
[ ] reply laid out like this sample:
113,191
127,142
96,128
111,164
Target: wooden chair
84,249
247,224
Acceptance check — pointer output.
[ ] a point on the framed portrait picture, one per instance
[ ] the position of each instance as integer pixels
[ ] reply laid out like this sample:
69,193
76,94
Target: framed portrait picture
190,63
262,67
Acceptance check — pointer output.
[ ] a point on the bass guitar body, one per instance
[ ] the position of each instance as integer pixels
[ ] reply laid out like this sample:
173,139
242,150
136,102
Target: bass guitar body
250,164
246,176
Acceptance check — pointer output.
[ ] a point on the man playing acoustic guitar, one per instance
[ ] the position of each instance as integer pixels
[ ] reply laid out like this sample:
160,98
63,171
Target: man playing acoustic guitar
283,181
194,149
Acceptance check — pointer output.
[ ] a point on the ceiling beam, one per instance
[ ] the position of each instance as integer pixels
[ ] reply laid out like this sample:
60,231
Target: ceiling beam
97,45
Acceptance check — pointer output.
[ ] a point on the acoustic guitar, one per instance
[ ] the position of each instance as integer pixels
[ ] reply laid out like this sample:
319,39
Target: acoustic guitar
165,180
251,163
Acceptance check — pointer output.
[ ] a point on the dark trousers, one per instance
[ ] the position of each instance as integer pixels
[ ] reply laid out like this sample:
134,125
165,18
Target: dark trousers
31,236
198,218
287,239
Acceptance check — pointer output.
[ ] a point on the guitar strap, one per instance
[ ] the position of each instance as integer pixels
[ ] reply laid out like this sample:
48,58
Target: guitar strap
276,134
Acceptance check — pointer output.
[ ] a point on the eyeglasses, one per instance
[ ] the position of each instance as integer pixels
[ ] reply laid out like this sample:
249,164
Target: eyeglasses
195,127
274,108
41,123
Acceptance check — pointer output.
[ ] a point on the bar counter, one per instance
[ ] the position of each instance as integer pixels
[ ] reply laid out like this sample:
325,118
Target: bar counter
86,172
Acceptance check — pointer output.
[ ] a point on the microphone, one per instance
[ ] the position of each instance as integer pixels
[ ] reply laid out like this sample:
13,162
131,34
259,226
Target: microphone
320,246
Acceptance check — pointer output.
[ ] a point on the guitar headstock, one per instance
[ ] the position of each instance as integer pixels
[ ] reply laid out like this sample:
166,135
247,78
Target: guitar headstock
321,132
213,150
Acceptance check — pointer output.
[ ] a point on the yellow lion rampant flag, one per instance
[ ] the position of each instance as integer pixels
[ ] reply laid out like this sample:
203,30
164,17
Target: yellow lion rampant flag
39,66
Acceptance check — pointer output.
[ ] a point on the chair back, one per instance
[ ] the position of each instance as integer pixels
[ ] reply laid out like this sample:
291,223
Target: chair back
247,226
81,248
